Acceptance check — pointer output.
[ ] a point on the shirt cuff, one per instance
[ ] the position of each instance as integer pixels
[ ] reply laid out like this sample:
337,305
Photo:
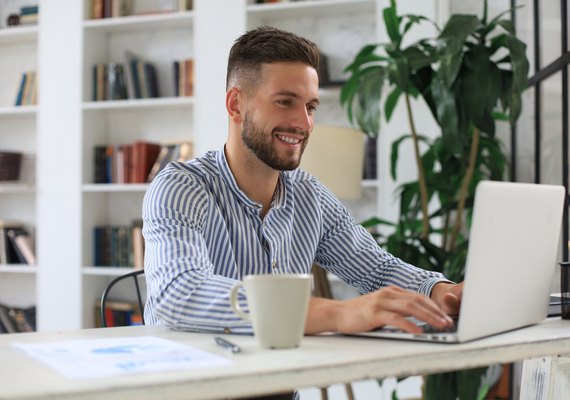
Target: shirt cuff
426,287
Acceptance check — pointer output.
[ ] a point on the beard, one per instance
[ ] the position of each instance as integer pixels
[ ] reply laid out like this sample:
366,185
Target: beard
260,143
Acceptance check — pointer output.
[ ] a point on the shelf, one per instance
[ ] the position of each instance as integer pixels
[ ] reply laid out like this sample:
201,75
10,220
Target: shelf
106,271
312,7
170,102
18,269
16,187
140,22
19,110
18,34
115,187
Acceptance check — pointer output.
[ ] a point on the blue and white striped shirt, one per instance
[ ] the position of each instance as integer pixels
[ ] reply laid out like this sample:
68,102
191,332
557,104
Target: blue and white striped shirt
202,234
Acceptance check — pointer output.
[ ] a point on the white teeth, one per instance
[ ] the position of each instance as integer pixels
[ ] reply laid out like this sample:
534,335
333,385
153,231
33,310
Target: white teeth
289,140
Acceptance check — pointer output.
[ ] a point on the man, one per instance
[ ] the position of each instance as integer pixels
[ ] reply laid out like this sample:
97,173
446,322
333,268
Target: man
246,209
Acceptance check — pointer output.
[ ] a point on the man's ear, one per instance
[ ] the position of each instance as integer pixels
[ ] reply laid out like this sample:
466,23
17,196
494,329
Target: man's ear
233,98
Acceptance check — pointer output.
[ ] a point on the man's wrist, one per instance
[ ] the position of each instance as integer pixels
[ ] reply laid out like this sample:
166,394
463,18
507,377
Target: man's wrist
426,288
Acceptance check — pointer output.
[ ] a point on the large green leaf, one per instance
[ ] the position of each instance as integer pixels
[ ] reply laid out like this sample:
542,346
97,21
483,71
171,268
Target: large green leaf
451,43
391,102
367,102
480,88
392,23
447,114
399,73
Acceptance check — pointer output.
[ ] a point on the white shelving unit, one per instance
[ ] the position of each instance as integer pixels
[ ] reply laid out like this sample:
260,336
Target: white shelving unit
18,54
64,204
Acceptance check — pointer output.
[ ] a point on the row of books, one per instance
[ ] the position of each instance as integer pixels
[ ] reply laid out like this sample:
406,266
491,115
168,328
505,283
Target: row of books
120,8
118,313
138,162
27,94
119,246
16,245
16,320
112,81
111,8
138,79
124,163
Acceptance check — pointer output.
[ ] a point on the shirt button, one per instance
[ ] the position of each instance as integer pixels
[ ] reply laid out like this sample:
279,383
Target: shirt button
227,330
274,265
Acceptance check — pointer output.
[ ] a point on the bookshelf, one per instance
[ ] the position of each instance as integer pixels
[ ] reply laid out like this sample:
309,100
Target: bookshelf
18,54
63,203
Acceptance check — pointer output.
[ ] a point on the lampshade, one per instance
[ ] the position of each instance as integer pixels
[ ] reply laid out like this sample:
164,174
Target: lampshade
335,155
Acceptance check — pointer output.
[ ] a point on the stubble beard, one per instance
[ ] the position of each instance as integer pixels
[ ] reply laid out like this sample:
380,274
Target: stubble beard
260,143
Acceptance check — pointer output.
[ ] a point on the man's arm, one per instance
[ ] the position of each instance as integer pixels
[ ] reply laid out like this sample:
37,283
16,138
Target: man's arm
386,306
183,290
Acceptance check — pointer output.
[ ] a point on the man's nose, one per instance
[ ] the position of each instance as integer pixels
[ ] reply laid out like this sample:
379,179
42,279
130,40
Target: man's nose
303,120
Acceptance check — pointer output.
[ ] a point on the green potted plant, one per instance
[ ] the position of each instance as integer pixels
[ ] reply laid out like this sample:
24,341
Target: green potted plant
472,74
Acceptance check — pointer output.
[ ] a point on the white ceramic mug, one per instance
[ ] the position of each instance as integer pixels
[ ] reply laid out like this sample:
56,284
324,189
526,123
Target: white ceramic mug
278,306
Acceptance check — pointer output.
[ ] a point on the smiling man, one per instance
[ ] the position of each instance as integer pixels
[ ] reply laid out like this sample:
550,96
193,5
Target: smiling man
247,209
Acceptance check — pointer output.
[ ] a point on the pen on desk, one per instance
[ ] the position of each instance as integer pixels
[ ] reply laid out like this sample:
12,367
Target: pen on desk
234,348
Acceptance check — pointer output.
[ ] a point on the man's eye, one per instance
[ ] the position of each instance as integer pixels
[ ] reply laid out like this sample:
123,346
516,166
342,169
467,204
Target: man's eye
284,103
311,108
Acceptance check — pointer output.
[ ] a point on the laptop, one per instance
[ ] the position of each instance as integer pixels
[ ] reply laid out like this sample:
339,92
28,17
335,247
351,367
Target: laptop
514,241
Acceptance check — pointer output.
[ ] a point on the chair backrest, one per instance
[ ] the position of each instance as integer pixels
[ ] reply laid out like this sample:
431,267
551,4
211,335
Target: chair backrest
134,275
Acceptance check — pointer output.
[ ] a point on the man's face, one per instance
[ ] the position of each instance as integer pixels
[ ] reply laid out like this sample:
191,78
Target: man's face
280,114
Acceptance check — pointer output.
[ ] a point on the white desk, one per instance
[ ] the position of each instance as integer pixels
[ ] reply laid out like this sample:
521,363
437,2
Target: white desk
320,361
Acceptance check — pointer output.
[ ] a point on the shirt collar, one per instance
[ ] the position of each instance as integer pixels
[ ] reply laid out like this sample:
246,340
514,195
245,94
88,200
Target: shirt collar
279,197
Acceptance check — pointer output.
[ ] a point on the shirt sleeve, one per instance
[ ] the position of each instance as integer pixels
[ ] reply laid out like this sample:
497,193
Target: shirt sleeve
350,252
182,290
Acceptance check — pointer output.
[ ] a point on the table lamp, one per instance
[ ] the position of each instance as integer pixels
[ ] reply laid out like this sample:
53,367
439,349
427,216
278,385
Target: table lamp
335,156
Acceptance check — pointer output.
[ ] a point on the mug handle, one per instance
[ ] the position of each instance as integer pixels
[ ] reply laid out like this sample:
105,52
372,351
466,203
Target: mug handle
235,303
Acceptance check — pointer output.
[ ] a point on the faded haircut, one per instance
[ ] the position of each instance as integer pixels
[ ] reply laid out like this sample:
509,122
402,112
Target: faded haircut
266,45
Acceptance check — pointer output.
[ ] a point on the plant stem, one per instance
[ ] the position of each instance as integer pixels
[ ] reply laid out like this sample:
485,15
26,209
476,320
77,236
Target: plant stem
464,188
421,175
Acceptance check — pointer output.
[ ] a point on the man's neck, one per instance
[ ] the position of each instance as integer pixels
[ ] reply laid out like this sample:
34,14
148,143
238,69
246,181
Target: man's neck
254,178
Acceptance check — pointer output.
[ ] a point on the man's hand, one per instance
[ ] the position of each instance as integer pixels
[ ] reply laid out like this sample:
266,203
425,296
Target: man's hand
386,306
448,296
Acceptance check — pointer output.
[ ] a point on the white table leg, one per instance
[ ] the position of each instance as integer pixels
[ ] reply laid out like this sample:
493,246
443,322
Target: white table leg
546,378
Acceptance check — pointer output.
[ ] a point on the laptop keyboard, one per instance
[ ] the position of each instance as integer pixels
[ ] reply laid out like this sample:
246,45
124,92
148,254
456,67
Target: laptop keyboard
432,329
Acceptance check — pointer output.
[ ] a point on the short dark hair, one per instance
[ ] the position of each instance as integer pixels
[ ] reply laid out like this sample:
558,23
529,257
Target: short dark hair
266,45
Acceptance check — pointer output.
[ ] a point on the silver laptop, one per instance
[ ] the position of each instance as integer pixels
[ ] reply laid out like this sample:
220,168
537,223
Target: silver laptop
513,246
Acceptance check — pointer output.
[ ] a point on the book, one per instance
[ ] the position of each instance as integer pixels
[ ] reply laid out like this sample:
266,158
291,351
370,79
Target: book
121,8
151,80
3,243
97,9
141,77
118,313
101,72
20,93
29,89
183,77
22,243
143,157
7,323
21,321
8,251
29,10
29,19
138,244
116,88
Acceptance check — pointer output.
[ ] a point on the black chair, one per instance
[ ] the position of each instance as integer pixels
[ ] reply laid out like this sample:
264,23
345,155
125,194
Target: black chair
134,275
